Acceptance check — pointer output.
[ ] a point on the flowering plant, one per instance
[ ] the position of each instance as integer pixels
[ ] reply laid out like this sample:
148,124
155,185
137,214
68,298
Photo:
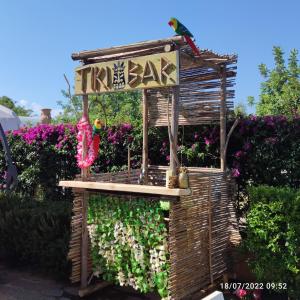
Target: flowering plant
257,152
129,243
43,155
248,294
241,293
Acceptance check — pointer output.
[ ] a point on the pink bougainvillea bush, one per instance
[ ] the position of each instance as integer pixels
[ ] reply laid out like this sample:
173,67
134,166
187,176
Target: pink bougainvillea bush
43,155
261,150
46,154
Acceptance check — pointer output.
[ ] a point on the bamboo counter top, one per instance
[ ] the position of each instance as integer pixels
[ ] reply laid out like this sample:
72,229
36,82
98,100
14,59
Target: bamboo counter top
123,187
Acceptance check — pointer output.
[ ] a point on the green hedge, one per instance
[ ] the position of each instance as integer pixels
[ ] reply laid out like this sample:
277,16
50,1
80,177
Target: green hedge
273,236
129,242
35,233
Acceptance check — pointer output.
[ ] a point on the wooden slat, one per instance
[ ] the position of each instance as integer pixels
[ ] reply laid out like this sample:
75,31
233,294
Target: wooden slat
121,187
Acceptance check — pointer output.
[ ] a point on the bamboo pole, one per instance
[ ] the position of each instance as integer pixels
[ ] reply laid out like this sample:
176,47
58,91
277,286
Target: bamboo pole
148,51
84,241
145,137
223,118
210,232
137,46
174,129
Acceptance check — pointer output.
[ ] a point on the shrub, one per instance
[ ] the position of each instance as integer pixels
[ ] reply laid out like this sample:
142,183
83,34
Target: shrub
43,155
272,236
35,233
129,242
257,152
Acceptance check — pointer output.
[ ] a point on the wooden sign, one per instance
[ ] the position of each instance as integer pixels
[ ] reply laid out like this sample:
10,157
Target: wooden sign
151,71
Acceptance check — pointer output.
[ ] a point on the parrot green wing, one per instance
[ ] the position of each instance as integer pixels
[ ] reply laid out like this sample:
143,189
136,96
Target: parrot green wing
182,30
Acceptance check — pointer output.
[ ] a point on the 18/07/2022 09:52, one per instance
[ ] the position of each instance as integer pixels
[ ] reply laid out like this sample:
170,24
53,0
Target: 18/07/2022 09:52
253,285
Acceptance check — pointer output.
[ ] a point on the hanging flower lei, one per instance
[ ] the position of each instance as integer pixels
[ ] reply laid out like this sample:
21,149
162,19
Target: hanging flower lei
85,129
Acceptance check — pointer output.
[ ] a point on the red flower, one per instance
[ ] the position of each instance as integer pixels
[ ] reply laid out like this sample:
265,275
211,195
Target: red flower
235,172
240,293
207,141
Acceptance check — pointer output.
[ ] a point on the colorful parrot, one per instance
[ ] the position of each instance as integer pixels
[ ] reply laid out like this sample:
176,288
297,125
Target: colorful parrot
180,29
96,135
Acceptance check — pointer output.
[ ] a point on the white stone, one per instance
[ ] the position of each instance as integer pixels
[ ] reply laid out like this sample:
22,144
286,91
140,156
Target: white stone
214,296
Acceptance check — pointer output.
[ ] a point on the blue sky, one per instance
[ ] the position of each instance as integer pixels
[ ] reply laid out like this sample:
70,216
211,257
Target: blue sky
37,37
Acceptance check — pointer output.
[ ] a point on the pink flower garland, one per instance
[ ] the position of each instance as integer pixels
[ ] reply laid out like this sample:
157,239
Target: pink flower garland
85,129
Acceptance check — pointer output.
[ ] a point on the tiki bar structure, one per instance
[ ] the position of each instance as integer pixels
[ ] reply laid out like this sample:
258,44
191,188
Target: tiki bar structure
178,88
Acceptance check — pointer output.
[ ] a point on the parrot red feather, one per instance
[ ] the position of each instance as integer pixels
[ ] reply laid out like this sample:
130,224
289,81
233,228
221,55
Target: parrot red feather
96,143
192,45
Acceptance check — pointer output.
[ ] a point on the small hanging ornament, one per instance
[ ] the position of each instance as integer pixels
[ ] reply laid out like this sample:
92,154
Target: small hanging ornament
85,134
183,178
96,135
92,140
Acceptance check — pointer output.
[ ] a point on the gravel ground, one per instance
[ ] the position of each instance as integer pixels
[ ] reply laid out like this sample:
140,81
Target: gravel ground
16,284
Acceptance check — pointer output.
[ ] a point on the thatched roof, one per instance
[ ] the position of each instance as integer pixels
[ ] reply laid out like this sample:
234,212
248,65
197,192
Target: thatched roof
151,47
204,79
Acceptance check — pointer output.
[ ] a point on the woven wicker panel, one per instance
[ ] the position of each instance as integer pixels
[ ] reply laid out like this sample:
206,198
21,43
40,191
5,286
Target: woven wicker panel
188,241
74,254
201,226
200,97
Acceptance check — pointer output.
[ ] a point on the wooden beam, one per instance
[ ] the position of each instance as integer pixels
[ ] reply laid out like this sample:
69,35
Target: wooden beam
145,137
131,47
127,188
148,51
223,118
174,129
84,241
85,114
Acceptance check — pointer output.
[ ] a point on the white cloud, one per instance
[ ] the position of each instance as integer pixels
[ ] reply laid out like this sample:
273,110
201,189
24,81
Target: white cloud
22,102
36,107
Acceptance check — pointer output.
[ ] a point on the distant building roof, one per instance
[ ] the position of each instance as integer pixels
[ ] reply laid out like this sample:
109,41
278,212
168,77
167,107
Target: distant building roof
9,120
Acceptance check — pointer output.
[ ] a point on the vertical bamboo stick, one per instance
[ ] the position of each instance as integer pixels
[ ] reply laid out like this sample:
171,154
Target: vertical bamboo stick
145,137
85,114
223,118
84,240
174,128
210,232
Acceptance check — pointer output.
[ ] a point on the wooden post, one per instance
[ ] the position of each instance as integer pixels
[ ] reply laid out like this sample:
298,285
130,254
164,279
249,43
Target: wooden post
84,171
84,241
145,137
223,118
174,129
